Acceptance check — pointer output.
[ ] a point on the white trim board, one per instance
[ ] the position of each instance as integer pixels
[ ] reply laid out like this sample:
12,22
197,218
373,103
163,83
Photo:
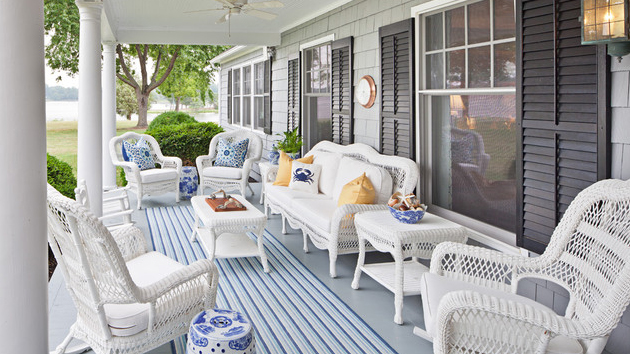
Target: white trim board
328,38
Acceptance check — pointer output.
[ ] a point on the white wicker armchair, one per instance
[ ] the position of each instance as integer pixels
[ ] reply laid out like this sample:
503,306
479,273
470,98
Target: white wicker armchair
116,205
228,178
153,181
589,255
128,300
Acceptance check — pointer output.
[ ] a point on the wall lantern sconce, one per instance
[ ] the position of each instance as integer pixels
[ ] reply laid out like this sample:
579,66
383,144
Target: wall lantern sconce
606,22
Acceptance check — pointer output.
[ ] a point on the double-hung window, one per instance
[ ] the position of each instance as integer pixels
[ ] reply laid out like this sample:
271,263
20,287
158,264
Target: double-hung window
251,95
467,69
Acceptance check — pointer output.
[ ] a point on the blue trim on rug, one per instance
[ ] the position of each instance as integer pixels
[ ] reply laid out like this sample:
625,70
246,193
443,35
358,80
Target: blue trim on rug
290,289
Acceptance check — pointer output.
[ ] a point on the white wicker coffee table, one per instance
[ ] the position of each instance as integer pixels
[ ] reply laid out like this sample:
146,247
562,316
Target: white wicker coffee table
223,234
386,234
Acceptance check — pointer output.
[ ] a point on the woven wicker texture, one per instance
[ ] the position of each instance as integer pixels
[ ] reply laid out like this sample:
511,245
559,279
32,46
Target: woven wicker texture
342,237
93,262
132,171
589,255
254,152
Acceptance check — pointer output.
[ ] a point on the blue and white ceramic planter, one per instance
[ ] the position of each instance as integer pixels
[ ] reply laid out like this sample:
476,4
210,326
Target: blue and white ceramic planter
220,331
188,182
273,157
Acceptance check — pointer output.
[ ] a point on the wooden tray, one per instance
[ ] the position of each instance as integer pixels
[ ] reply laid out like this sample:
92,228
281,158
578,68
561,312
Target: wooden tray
214,204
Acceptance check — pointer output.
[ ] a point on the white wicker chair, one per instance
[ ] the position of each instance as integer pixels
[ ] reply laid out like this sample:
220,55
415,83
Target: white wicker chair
128,300
153,181
228,178
115,205
589,255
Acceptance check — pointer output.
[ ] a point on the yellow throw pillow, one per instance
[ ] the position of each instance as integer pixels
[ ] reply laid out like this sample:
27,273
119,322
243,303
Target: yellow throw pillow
358,191
283,177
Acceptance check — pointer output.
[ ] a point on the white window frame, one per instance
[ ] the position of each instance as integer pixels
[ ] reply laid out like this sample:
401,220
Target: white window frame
485,233
251,64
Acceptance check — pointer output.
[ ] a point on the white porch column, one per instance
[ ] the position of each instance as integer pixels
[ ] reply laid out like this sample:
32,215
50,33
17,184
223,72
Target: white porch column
90,136
23,241
109,111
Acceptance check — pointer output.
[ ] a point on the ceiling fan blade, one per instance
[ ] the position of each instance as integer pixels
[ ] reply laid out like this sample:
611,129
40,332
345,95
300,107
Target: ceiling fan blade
227,3
264,4
206,10
223,18
260,14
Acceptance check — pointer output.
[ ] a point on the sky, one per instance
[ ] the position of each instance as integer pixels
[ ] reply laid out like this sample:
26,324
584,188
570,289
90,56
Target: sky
66,81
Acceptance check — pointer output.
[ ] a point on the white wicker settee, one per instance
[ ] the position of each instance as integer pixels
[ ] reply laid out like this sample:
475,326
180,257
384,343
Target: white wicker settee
317,215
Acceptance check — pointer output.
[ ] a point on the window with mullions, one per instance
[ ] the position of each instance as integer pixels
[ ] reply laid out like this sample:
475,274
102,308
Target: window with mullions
236,96
316,99
250,96
469,65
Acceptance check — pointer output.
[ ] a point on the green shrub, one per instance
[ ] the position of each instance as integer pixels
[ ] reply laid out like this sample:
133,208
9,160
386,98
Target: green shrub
170,118
186,141
60,176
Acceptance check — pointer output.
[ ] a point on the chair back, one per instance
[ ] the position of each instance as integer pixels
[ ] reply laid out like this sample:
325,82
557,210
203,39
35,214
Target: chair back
81,194
93,267
254,147
592,247
115,145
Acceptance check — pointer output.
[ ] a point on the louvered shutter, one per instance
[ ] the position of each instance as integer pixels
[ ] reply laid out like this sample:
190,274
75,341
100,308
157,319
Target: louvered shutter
563,108
341,91
267,96
396,89
293,94
229,97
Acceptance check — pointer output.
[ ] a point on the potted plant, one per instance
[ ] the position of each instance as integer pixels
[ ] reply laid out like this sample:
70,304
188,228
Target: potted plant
291,144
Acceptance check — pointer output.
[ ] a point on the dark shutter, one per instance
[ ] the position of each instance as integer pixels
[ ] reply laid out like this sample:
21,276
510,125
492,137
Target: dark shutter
562,103
267,98
293,99
396,89
341,91
229,97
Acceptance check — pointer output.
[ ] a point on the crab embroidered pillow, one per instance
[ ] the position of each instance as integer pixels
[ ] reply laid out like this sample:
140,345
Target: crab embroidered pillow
305,177
231,154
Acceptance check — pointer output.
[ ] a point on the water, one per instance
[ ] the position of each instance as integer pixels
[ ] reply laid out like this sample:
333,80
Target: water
69,110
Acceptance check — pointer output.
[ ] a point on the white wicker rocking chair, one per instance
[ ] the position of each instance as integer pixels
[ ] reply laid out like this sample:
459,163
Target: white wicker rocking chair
128,300
153,181
116,205
589,255
228,178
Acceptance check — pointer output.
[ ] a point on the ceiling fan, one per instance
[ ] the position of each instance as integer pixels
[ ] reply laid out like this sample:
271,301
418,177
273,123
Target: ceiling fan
236,7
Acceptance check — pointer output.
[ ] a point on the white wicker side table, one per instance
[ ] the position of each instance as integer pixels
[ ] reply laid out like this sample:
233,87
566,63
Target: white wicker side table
387,234
231,226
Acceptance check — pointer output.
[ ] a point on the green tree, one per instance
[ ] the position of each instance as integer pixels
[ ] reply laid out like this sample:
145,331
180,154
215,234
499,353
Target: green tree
61,25
126,102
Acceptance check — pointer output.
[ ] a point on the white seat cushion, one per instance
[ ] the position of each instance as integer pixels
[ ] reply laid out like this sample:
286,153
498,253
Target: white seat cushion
158,175
330,164
129,319
349,169
223,172
434,287
285,195
318,212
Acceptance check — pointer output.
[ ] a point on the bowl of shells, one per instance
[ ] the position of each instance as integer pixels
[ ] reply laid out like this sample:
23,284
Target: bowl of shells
406,208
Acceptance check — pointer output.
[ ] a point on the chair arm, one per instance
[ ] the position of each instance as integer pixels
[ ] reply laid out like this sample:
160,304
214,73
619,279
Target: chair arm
187,276
482,266
129,168
343,218
247,166
172,162
203,161
130,241
473,322
272,172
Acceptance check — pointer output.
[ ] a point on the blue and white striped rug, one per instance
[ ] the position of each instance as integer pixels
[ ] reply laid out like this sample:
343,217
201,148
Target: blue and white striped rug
292,310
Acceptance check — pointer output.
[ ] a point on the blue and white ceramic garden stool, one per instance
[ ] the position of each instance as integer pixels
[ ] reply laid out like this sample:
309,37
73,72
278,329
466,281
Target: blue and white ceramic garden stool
188,182
220,331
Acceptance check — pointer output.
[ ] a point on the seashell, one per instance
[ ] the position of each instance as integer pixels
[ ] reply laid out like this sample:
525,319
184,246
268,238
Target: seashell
403,207
392,202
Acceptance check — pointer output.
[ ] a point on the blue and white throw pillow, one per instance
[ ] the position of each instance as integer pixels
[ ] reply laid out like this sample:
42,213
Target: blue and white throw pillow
140,154
231,154
305,177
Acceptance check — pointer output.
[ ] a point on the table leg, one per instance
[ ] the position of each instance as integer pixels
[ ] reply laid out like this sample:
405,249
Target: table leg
262,191
261,250
193,237
212,247
360,262
399,288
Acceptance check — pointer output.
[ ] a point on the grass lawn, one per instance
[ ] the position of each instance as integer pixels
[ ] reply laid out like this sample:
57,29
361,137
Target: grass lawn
61,139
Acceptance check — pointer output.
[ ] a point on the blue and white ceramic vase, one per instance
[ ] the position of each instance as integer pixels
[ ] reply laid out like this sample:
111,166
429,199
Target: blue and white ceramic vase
273,156
188,182
220,331
295,155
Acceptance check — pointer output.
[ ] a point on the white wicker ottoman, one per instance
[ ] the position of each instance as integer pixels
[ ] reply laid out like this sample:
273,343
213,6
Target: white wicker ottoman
386,234
222,332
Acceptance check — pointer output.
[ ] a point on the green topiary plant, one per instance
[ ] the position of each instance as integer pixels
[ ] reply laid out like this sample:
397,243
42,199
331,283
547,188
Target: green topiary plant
60,176
292,142
186,141
170,118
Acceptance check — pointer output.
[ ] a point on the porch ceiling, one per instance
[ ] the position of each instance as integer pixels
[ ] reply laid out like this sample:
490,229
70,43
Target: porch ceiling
166,21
